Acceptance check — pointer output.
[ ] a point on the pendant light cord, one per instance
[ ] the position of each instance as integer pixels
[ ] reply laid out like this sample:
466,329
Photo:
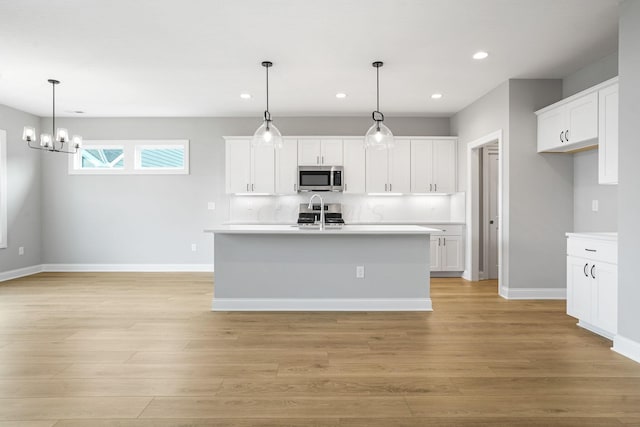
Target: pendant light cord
53,125
267,112
377,88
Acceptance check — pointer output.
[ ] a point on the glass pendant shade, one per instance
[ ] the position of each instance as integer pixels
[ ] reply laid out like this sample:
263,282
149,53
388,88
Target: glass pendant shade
62,135
45,140
28,134
267,135
378,137
77,141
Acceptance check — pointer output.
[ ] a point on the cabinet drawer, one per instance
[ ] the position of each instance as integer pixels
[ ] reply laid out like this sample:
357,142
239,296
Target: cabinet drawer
447,229
593,249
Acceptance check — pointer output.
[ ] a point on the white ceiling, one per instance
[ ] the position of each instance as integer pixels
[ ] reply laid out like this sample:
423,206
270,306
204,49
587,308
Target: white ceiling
194,57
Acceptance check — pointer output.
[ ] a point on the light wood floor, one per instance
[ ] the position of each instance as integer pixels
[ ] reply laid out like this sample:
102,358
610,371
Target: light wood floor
144,350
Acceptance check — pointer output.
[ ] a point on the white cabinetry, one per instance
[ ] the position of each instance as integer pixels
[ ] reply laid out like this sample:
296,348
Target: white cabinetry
249,169
569,125
389,171
354,166
447,249
608,135
592,282
314,152
287,167
433,166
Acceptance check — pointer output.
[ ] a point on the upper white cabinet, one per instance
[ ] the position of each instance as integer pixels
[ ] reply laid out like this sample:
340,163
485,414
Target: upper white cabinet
592,282
249,169
433,166
608,135
354,166
287,167
586,119
389,171
316,152
570,125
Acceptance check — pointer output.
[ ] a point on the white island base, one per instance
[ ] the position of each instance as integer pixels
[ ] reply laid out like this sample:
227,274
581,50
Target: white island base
282,268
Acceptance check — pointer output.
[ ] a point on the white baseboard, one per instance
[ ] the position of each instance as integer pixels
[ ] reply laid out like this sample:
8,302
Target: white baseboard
20,272
626,347
127,267
321,304
533,293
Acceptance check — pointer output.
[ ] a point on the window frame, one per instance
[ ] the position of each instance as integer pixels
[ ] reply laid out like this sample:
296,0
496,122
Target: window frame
132,149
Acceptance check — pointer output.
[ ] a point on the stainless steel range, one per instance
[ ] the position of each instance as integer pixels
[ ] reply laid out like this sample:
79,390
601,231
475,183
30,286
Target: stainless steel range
310,216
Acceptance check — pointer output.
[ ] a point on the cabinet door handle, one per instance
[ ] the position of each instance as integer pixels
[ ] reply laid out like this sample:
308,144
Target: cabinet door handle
253,187
438,241
561,135
322,160
317,160
435,187
247,187
385,187
566,135
444,241
345,187
592,267
584,270
590,250
390,187
430,187
295,187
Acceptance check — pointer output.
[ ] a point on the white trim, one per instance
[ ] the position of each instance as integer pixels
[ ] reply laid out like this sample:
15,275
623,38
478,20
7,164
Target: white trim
595,329
3,189
321,304
20,272
343,137
472,206
533,293
128,267
578,95
626,347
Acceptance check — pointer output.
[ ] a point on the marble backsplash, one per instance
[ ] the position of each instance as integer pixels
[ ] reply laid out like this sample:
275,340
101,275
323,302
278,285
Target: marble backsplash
355,207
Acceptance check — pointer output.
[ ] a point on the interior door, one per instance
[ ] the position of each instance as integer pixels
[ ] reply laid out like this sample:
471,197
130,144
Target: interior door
491,197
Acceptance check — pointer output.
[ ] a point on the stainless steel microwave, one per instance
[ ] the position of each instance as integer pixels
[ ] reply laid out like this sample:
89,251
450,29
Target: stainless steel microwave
320,178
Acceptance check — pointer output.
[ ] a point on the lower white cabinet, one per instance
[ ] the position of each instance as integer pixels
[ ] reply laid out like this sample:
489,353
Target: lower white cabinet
592,282
447,249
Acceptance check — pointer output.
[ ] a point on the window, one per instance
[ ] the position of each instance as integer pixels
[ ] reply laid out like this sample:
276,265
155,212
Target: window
3,189
131,157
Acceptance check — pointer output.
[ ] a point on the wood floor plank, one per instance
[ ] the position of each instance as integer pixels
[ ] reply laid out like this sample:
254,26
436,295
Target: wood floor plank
71,407
144,349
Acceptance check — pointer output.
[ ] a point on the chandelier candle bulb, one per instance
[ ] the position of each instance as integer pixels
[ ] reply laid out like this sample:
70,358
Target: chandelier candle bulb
28,134
62,135
45,140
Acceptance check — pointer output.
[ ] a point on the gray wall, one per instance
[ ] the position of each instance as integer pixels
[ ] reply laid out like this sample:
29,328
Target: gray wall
586,189
585,164
23,193
597,72
540,192
144,219
629,174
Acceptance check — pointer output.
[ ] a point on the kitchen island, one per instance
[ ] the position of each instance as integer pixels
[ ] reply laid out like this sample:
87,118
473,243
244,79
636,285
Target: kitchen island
356,267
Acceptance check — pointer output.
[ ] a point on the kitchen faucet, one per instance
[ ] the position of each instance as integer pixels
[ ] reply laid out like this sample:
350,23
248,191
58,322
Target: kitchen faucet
321,209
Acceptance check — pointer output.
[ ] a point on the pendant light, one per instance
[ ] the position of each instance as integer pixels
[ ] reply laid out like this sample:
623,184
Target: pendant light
47,142
378,137
267,134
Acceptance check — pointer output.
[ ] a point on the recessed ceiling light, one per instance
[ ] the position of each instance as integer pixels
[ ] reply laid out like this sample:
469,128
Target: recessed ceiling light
436,96
341,95
480,55
245,95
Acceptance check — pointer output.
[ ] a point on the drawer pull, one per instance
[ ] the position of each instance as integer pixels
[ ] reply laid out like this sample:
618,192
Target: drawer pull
593,275
591,250
584,270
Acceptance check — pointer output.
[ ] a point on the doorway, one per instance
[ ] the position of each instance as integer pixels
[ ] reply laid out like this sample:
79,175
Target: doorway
485,252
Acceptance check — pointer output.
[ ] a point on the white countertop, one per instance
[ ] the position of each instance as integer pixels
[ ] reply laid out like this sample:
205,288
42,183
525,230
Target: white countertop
600,236
347,229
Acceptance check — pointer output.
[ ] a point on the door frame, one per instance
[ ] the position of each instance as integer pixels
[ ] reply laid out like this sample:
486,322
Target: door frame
485,208
472,246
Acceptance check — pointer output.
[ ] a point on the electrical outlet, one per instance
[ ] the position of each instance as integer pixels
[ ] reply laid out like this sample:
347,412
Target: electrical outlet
194,247
211,206
594,205
360,272
21,250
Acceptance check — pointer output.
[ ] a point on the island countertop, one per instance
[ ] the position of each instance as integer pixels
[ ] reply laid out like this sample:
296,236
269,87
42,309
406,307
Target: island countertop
347,229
